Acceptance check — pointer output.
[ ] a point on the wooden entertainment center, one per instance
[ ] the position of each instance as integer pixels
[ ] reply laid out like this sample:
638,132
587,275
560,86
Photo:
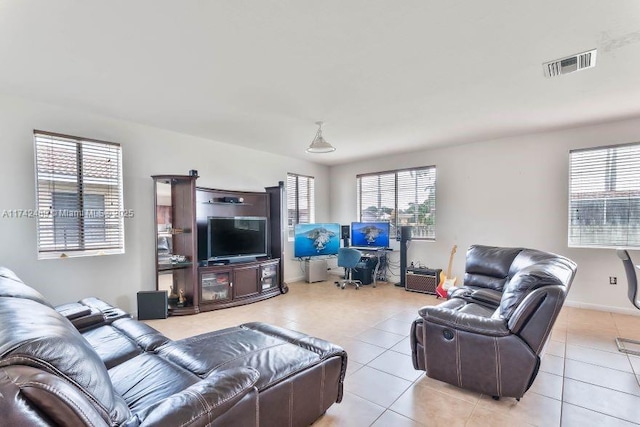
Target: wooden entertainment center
194,282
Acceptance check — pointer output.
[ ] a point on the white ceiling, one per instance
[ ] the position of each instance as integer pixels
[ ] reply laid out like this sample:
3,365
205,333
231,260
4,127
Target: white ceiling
385,76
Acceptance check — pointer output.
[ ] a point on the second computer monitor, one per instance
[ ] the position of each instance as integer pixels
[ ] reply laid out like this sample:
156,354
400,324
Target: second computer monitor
373,234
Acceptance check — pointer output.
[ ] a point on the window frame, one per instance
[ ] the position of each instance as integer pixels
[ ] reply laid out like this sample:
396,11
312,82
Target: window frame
395,219
597,223
310,202
73,173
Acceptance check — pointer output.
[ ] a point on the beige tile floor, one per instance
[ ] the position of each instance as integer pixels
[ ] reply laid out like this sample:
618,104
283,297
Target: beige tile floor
583,379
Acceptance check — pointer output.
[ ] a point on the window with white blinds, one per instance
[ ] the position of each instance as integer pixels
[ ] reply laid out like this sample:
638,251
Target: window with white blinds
79,196
604,197
402,197
300,201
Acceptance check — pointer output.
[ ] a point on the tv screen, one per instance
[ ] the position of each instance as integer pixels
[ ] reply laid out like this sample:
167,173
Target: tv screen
374,234
238,236
316,239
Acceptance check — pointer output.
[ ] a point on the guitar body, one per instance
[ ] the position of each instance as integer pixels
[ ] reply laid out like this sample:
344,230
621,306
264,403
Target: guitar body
440,291
449,283
445,281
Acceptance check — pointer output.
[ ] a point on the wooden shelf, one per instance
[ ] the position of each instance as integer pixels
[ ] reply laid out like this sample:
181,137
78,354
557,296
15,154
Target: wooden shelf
173,266
226,203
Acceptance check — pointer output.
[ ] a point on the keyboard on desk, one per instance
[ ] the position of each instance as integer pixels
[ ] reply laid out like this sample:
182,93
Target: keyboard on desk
370,248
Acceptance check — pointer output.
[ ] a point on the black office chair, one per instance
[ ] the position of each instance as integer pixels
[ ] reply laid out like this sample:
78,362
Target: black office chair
632,292
348,258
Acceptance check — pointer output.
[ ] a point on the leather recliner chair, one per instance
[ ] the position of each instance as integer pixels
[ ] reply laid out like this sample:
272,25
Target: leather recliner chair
488,336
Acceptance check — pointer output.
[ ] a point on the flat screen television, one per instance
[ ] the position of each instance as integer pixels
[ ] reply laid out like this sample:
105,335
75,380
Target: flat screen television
236,237
316,239
374,234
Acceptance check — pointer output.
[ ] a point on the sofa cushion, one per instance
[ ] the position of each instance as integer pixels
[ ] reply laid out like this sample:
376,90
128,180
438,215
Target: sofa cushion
458,305
227,398
112,346
147,379
530,270
529,257
122,340
488,266
521,284
274,358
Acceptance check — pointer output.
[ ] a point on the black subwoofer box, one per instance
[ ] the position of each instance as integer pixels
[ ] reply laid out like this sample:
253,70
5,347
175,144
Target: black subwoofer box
364,274
152,305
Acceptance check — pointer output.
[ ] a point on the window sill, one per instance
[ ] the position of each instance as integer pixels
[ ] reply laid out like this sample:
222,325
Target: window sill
78,254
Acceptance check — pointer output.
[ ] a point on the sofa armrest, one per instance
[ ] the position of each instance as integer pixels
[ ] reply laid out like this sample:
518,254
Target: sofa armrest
81,316
487,297
205,401
464,321
73,310
534,317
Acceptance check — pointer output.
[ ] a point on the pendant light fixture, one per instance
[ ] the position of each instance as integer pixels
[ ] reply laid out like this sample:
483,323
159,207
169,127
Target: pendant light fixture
319,145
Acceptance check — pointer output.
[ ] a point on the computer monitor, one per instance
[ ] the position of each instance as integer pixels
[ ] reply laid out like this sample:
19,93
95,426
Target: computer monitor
372,234
316,240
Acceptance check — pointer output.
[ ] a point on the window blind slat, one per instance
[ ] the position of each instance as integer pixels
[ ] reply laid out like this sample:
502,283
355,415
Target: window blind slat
405,197
79,195
300,201
604,197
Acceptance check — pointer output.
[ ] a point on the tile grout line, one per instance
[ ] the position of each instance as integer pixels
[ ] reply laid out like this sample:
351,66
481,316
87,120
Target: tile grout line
564,377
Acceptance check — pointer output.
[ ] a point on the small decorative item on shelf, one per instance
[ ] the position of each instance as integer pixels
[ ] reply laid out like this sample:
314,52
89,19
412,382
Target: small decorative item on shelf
182,301
178,258
173,298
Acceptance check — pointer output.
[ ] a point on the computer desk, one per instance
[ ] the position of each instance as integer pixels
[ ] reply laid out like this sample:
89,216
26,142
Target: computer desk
380,252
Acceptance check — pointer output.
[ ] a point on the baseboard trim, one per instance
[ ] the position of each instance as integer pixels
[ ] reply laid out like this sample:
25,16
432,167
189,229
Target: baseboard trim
599,307
295,279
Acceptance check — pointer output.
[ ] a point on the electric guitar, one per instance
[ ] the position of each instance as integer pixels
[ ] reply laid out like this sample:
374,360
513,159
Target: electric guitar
446,281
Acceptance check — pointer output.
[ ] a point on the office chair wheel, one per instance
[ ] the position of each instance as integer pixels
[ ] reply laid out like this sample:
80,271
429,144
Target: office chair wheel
337,284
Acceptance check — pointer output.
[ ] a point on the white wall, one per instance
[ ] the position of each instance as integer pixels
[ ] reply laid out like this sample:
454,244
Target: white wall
146,151
506,192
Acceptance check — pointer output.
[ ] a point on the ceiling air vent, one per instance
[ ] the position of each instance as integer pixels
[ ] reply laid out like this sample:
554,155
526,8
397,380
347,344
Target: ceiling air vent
570,64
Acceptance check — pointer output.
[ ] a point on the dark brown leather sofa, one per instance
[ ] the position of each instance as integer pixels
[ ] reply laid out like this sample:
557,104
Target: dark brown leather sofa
488,336
89,363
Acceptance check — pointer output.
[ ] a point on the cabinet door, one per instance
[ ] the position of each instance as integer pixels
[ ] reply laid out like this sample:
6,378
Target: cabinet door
176,260
268,276
215,286
245,281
